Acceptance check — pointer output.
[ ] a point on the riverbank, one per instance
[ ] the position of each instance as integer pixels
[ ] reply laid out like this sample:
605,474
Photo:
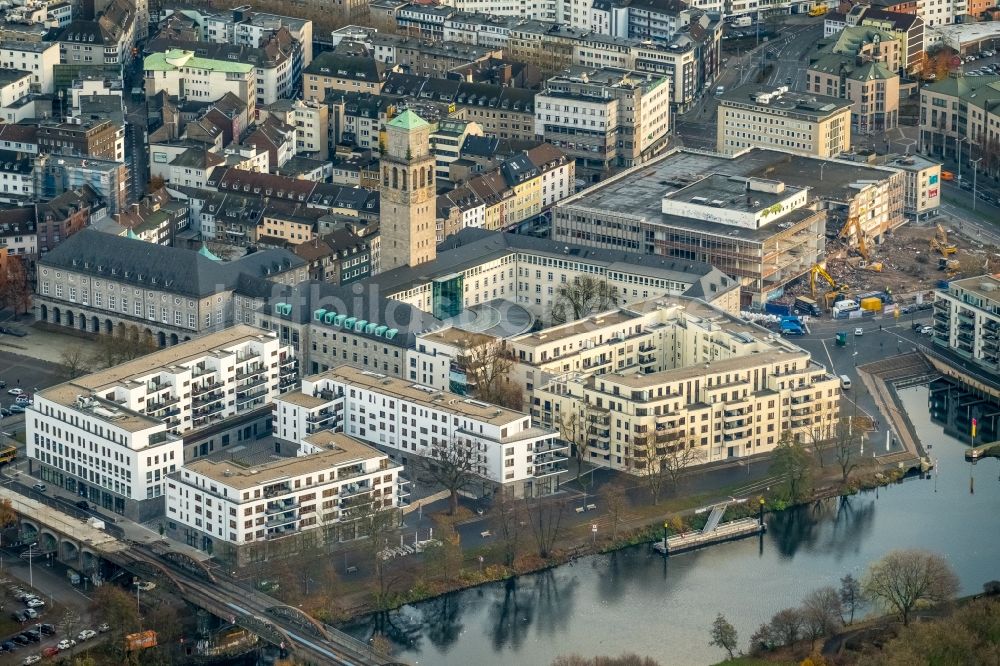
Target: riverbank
451,569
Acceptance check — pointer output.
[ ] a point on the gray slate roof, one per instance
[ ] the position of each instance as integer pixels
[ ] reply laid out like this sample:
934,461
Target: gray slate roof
155,266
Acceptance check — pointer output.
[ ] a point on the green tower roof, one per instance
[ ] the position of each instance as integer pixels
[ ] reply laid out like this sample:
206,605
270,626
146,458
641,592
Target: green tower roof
130,234
408,120
205,252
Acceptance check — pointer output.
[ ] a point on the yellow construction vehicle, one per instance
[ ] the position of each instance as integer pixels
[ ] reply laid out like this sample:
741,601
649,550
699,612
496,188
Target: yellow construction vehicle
854,224
835,289
940,242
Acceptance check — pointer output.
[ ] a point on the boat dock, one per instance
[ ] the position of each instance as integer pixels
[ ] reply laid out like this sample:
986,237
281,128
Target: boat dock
736,529
990,450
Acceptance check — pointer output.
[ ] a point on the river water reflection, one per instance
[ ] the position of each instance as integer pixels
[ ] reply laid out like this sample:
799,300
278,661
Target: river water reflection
637,601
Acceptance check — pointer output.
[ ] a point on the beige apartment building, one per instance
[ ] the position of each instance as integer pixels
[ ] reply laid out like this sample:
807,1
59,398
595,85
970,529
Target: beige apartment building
698,379
754,116
872,88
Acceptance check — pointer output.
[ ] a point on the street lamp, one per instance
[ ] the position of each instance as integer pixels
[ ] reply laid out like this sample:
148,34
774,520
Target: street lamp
975,172
31,573
964,139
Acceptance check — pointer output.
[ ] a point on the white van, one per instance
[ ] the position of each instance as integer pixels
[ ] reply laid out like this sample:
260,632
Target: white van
720,89
845,382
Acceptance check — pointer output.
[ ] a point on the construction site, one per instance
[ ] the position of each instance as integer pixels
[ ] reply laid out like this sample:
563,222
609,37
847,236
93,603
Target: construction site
913,259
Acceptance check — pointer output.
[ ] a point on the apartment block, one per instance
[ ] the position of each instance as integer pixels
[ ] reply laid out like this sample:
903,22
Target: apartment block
958,119
183,74
967,321
872,87
37,58
417,421
753,116
699,380
227,505
113,437
922,185
605,118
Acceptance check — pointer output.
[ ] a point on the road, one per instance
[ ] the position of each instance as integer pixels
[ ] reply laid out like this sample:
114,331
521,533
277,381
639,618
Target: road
697,129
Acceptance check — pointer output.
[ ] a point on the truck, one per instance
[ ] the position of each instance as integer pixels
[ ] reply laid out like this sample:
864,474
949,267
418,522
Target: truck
73,576
741,21
806,305
845,306
818,10
780,309
791,326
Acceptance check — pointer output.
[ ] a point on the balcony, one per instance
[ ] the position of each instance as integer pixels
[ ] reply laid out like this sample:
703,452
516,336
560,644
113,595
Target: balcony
256,381
152,388
547,469
207,385
942,304
731,425
277,489
282,531
248,396
730,414
593,364
254,369
282,506
353,489
153,407
208,410
207,398
663,436
199,371
802,400
801,423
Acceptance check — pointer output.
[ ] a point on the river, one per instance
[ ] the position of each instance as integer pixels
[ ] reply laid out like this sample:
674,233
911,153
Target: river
634,600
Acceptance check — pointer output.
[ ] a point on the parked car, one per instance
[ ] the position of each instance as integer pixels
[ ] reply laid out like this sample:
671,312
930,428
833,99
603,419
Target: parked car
86,635
9,646
31,659
23,595
15,391
927,330
17,409
40,487
859,331
5,412
146,586
66,644
50,651
19,616
33,635
35,603
21,639
104,628
31,613
23,399
47,629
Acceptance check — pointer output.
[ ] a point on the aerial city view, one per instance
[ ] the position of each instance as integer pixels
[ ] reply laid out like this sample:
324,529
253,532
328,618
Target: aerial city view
500,332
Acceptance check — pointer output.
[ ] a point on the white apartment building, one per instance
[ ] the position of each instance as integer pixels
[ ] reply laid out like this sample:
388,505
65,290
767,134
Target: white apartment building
221,505
967,321
114,435
246,27
38,58
183,74
922,185
412,419
14,86
700,379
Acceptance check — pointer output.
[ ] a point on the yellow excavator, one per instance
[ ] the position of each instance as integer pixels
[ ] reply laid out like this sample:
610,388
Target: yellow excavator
940,242
835,289
854,224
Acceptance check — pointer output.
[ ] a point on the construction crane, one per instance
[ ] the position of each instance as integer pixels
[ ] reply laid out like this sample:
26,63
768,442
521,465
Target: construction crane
940,242
835,289
854,224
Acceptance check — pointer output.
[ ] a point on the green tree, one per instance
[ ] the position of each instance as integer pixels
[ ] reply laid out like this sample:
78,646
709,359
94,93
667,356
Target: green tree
724,635
904,580
852,598
793,464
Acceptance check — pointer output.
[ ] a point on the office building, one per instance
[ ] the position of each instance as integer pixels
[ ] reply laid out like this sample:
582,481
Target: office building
753,116
183,74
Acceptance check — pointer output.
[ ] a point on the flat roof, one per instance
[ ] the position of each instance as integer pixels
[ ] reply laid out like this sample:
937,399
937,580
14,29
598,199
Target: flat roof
780,100
640,380
733,191
302,400
338,450
639,191
170,358
586,325
458,337
424,395
975,285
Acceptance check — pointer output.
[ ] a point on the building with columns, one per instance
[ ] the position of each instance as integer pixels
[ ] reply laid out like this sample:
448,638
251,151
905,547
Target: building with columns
408,198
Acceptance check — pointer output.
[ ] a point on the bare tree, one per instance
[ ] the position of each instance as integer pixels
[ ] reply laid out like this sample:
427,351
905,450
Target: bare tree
70,622
508,516
573,427
545,518
724,635
665,463
452,464
488,367
786,626
616,499
74,362
844,449
581,297
377,524
15,290
852,597
821,612
904,579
